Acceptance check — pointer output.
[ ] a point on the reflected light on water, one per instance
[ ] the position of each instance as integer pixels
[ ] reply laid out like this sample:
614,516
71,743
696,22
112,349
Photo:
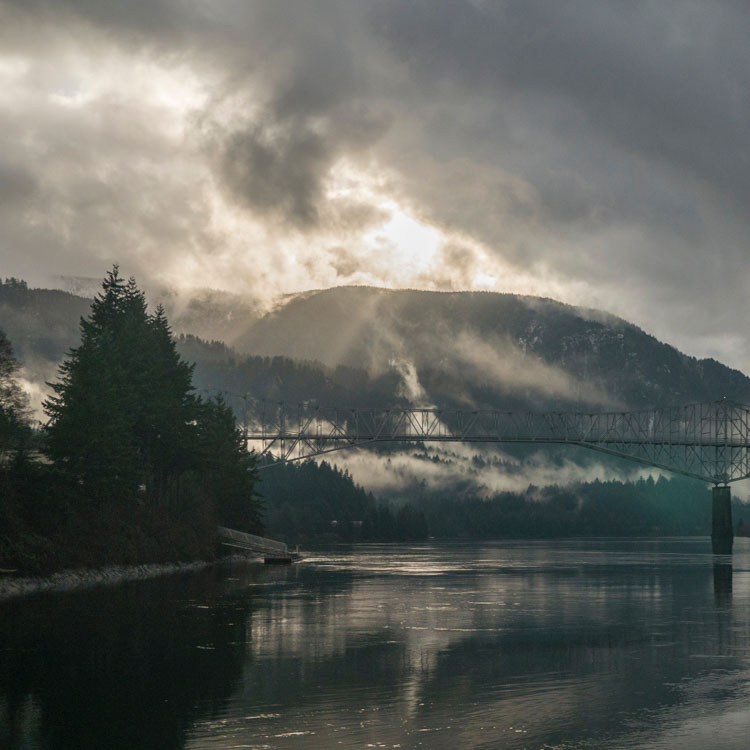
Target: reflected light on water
578,644
509,645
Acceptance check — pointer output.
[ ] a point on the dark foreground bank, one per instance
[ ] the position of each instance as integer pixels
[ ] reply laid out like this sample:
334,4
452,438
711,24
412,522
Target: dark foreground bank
68,580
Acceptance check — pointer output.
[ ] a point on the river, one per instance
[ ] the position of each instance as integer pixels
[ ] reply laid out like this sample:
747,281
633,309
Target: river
565,644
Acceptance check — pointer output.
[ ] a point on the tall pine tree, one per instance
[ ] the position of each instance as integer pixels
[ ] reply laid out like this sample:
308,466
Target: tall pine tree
93,412
13,401
126,426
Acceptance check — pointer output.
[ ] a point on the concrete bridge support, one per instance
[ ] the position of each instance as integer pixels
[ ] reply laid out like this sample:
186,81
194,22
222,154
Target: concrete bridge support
722,533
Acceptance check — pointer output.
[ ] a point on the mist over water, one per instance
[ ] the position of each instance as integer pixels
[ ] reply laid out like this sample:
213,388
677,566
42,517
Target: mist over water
569,644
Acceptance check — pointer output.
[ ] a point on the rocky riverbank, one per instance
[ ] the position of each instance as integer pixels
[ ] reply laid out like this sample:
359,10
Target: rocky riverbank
67,580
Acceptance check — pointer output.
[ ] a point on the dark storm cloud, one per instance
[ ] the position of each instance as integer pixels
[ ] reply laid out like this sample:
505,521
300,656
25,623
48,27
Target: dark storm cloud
279,168
595,145
292,63
663,81
601,141
667,80
125,21
316,109
17,183
277,174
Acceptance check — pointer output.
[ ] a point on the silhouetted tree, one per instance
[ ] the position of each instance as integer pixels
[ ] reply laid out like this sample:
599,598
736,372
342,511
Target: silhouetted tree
13,400
94,412
225,469
126,426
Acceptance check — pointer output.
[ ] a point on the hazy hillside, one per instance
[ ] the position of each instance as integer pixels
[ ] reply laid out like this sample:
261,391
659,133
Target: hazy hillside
485,349
42,324
379,348
365,346
218,368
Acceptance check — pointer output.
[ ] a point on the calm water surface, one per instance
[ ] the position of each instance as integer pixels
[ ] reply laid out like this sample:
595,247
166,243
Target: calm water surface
572,644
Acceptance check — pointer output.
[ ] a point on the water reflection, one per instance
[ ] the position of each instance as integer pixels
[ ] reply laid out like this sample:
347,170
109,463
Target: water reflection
723,583
132,666
572,644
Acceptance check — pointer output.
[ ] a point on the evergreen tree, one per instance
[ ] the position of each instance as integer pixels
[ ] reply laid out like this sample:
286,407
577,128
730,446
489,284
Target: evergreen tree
13,401
127,428
92,433
226,469
167,424
123,415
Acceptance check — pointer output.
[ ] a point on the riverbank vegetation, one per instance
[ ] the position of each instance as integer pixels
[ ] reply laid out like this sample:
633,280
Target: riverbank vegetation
647,507
311,503
133,466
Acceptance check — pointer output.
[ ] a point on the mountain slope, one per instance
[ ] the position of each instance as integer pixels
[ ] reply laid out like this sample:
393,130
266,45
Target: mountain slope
42,324
494,350
469,349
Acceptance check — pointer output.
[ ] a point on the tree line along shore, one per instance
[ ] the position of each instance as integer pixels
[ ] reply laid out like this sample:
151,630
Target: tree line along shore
133,466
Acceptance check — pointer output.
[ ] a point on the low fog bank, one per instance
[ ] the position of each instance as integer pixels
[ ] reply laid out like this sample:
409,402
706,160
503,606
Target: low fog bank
468,471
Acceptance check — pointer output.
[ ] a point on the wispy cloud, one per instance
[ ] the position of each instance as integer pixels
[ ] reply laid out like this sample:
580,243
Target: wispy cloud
586,151
503,365
454,468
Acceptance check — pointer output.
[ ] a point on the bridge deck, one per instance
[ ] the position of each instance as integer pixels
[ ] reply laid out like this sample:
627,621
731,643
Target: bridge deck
710,442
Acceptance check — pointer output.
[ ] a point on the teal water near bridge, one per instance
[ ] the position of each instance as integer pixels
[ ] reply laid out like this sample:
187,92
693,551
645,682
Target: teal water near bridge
564,644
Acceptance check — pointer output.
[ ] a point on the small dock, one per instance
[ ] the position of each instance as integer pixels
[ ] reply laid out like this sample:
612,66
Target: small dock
272,551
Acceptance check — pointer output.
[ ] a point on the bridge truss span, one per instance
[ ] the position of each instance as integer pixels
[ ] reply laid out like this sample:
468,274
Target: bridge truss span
708,441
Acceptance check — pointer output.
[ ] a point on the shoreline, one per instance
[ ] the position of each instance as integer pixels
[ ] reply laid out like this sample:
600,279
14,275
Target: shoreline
82,578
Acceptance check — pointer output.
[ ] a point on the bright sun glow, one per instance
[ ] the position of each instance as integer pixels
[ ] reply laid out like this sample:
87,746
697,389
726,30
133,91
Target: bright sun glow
413,246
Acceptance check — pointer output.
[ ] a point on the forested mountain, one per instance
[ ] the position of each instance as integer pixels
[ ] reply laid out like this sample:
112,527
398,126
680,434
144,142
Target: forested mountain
483,349
373,348
42,324
359,346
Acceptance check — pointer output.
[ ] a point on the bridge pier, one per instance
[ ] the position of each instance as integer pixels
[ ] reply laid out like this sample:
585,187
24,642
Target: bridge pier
722,533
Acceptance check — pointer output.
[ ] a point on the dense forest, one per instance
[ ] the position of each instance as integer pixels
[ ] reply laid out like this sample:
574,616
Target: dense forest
133,466
137,464
218,368
307,503
643,508
311,503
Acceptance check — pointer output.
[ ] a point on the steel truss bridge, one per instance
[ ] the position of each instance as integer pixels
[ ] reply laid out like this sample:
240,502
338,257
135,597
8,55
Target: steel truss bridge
709,442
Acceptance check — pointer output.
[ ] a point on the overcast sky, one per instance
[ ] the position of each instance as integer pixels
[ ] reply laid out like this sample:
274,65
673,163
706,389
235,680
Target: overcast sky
594,152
